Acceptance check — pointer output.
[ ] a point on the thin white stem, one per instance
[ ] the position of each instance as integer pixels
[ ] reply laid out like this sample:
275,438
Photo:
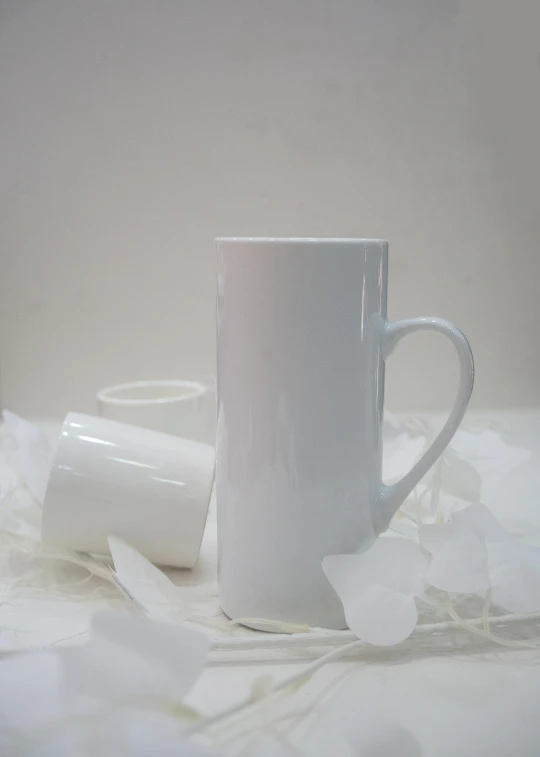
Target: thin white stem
282,640
294,680
478,628
286,641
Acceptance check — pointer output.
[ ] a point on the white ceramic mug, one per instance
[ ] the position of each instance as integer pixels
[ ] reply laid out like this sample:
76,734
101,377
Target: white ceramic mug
173,406
302,344
112,479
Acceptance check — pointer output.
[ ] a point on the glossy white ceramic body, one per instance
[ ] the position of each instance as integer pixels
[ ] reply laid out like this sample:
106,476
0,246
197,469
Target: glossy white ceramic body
110,478
173,406
302,341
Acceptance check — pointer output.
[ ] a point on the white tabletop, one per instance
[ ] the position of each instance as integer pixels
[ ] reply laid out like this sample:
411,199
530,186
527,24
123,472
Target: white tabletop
471,705
467,703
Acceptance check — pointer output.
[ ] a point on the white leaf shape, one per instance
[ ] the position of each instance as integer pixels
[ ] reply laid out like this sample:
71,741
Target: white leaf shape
401,452
383,739
473,553
54,740
130,657
41,708
121,733
381,616
30,691
372,734
488,452
33,455
481,522
459,558
20,513
514,571
138,733
322,742
460,478
154,591
151,588
377,589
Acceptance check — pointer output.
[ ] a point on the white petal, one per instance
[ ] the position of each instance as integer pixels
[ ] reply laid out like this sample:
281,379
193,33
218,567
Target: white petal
401,451
396,563
379,738
130,657
481,521
121,732
30,691
271,747
377,588
489,453
458,558
412,425
381,616
320,742
514,571
149,585
180,651
33,455
448,505
136,733
61,740
371,734
20,513
460,478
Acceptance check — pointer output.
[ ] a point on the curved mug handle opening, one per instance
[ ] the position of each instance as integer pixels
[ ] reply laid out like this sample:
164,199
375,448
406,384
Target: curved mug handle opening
392,496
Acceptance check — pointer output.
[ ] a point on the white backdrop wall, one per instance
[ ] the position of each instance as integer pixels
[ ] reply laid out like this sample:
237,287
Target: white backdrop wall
133,132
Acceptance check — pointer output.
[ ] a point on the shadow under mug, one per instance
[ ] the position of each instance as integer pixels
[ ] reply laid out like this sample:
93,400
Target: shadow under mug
112,479
172,406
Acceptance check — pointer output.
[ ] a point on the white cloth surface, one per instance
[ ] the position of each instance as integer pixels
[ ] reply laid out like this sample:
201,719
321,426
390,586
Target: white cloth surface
464,704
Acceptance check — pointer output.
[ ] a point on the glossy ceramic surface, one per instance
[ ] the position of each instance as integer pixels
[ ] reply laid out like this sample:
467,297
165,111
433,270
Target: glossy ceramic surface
302,344
172,406
110,478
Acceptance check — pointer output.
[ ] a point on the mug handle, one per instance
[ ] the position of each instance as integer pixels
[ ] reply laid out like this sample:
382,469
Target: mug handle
392,496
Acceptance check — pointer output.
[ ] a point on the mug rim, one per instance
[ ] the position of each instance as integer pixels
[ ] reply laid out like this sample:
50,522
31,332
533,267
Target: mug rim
301,240
106,395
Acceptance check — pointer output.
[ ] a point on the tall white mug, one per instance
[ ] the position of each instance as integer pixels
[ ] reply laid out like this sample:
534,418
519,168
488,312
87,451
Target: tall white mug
302,343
